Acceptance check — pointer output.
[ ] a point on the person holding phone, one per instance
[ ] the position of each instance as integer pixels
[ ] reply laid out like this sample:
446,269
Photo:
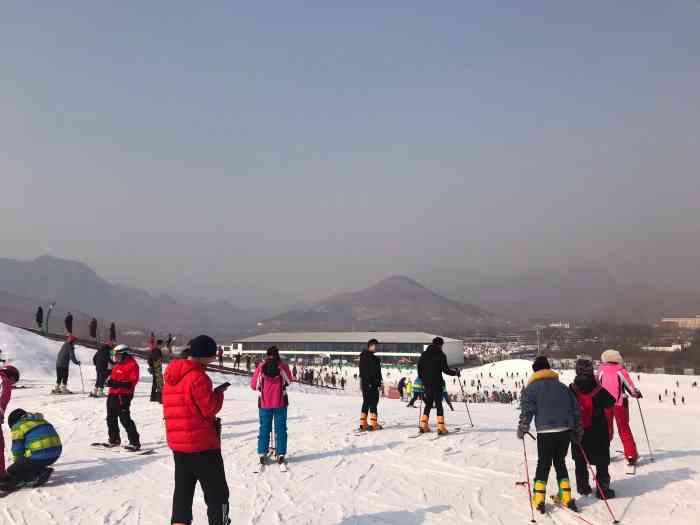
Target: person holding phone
193,432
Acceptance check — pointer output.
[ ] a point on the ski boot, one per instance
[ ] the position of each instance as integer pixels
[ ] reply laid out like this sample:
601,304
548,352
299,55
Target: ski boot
441,428
564,495
584,490
604,483
280,460
424,428
133,447
363,421
64,390
263,460
373,425
56,390
539,495
114,444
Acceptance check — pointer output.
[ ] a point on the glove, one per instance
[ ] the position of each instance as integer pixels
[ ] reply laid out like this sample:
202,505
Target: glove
78,363
520,433
638,394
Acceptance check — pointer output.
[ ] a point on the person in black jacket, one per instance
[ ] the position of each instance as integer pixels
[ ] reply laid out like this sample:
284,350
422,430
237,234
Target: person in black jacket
102,363
370,382
431,365
68,322
112,333
39,318
93,328
592,400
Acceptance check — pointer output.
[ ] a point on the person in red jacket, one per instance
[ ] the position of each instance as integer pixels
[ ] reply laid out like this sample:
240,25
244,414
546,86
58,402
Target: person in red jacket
193,431
122,382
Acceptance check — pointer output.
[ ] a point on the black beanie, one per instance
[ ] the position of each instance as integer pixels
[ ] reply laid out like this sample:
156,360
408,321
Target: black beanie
15,416
438,341
274,352
203,346
584,367
540,363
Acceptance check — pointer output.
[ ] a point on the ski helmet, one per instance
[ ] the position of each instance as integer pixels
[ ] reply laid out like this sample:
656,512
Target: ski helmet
15,416
11,372
120,350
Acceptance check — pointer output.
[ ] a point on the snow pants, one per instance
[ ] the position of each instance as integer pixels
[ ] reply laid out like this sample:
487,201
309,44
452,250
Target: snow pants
102,376
119,410
207,467
27,469
62,375
370,400
621,415
582,479
280,418
552,448
433,397
155,390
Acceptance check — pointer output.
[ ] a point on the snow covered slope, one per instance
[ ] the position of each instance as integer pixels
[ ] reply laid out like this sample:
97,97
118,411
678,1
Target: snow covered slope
337,478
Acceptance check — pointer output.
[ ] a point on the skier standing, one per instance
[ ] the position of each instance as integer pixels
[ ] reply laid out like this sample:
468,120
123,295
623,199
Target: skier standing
556,415
271,378
401,386
193,432
155,368
112,333
68,323
9,375
122,382
101,360
65,355
613,376
593,400
39,318
370,382
93,328
35,446
431,365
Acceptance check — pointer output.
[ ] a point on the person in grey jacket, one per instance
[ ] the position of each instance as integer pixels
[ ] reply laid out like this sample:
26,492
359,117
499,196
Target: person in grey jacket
558,421
65,355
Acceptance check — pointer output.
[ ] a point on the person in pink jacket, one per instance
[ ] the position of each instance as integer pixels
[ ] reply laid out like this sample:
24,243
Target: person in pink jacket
271,378
9,375
613,376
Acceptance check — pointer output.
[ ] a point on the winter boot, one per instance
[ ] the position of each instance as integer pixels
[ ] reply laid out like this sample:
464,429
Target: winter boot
604,482
280,460
373,425
263,460
539,495
424,424
441,428
64,390
363,421
135,447
564,495
56,390
113,444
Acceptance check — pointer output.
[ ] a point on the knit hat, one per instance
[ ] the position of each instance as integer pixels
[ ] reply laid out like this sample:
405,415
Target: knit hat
203,346
372,342
611,356
15,416
438,341
540,363
584,367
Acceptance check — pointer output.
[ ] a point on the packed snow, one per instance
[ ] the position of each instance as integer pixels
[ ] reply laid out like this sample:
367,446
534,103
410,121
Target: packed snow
336,477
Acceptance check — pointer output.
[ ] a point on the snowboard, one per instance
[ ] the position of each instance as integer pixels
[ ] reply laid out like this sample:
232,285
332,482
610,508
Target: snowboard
120,449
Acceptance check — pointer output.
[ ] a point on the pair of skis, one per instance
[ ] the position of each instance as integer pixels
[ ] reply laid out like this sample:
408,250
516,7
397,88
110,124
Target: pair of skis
261,467
437,435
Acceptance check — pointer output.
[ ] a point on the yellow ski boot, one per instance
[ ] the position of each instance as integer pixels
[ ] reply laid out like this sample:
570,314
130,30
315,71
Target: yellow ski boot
441,428
363,421
564,495
424,424
539,495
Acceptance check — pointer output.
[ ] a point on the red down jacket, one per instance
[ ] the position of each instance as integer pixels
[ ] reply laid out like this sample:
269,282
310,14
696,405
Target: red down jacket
189,407
127,370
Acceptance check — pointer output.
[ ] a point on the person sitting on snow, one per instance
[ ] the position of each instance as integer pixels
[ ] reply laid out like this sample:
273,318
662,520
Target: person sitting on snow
35,446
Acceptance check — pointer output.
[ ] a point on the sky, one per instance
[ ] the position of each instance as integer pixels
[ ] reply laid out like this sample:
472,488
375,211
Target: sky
293,149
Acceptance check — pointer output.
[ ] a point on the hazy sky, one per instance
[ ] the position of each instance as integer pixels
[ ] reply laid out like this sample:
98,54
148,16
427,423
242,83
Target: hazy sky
306,148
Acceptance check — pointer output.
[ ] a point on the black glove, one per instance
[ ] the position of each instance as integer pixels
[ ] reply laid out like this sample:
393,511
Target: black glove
638,394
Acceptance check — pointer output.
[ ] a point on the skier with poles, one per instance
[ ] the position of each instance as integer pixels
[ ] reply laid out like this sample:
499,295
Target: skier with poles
193,432
65,355
431,365
370,381
556,415
271,378
613,376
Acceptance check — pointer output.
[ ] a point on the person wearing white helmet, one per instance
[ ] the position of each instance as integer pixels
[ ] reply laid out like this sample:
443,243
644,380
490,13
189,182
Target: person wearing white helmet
9,375
122,382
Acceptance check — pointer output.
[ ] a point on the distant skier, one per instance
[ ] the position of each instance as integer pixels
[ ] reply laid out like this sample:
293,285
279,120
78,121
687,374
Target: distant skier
102,362
613,376
152,341
68,323
370,382
65,355
190,405
9,376
271,378
432,364
593,400
155,368
39,319
169,344
417,392
556,414
342,383
401,386
93,328
112,334
674,401
247,363
220,356
122,382
35,446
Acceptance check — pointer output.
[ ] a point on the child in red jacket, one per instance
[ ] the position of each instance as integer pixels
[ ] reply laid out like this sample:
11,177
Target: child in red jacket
190,405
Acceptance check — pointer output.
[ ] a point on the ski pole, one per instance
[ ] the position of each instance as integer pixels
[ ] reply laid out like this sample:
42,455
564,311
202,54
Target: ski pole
641,414
420,409
82,382
597,484
466,402
527,482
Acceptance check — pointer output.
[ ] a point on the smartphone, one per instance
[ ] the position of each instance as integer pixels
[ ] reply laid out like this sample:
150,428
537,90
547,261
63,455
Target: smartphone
222,386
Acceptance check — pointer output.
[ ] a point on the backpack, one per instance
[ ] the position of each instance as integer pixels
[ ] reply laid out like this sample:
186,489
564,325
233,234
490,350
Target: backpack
585,403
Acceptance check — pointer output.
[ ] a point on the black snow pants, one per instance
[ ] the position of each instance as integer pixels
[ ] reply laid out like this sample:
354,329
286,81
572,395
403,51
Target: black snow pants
27,469
208,468
102,376
118,410
62,375
155,391
552,448
582,478
370,400
433,396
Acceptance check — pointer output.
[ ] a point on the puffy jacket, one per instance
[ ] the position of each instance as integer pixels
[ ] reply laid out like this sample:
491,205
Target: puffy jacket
34,437
550,402
126,374
370,370
189,407
431,365
615,379
418,386
5,394
65,355
272,389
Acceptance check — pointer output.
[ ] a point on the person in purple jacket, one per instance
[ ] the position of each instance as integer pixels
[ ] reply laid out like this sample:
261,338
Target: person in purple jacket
271,378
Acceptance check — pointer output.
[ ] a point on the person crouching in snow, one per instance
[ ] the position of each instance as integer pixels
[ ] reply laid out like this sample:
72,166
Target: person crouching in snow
190,405
593,400
122,383
35,446
271,378
556,415
613,376
9,375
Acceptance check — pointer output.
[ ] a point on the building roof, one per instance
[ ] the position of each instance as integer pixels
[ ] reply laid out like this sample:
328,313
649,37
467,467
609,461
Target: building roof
344,337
